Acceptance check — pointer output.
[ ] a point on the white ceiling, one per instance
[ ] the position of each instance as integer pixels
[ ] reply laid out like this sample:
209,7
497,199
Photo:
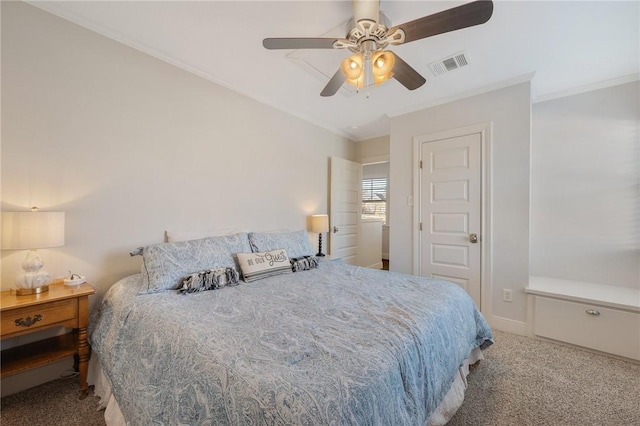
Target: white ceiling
567,44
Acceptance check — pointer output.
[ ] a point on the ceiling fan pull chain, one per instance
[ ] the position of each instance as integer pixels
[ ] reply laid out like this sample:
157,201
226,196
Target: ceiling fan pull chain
367,74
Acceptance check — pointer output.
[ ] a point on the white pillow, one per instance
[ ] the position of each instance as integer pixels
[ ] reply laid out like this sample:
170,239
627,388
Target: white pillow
256,266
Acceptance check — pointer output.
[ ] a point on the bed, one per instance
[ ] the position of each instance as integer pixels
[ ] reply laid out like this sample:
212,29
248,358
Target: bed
328,344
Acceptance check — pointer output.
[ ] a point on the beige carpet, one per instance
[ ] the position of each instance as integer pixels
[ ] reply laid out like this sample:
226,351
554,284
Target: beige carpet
52,404
521,382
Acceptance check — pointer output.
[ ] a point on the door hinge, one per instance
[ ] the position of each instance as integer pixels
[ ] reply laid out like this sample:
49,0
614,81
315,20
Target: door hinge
420,165
421,226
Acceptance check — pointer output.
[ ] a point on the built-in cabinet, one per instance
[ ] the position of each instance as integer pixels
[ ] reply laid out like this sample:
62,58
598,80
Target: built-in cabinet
601,317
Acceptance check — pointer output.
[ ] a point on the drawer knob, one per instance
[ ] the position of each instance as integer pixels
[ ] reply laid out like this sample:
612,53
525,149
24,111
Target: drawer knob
21,322
593,312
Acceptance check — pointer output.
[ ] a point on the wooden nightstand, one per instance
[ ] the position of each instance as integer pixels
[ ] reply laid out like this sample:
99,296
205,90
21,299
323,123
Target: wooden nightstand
61,306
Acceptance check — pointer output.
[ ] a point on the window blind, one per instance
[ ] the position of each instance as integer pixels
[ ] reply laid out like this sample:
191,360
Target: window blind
374,198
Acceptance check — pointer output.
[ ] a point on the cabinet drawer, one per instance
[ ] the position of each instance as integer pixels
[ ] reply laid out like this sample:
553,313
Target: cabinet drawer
592,326
38,316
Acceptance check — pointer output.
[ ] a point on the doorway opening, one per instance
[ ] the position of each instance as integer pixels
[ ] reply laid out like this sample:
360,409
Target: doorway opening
375,212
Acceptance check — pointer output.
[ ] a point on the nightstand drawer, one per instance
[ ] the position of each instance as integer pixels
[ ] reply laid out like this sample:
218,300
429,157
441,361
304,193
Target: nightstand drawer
38,316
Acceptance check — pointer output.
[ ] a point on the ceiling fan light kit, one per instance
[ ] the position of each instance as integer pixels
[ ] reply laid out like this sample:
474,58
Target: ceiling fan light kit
369,33
358,68
382,68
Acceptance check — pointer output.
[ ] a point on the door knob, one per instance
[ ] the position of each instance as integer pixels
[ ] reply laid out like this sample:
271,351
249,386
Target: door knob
335,229
473,238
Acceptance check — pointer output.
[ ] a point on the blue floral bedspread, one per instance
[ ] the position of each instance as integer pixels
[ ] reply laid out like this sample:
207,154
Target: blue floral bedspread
337,345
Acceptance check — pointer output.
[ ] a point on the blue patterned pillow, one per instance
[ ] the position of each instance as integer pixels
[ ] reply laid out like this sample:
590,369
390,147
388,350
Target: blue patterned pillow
304,263
296,243
165,264
211,279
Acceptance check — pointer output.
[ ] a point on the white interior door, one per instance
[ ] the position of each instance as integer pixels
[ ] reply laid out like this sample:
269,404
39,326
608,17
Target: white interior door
450,211
345,209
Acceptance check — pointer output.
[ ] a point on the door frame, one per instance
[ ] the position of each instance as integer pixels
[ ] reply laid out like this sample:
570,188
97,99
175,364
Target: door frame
486,240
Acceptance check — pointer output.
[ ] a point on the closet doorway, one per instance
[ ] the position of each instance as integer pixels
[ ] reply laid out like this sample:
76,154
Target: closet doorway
452,238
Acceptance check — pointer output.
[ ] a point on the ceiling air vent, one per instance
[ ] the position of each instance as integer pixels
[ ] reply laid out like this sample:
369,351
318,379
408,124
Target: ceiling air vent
449,64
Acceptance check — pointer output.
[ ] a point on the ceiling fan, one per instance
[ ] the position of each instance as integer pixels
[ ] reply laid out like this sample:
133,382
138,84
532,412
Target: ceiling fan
370,32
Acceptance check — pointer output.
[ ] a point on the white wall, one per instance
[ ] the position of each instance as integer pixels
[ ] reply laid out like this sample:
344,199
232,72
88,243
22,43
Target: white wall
373,150
375,170
129,146
509,110
585,187
370,244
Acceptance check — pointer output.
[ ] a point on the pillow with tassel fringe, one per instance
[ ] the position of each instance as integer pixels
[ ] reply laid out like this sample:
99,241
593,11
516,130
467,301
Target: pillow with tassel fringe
304,263
211,279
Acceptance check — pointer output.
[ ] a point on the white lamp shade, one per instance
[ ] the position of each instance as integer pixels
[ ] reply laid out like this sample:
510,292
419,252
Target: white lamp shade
32,230
320,223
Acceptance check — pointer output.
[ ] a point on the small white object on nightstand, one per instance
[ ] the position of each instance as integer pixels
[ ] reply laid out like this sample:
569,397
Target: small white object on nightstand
76,280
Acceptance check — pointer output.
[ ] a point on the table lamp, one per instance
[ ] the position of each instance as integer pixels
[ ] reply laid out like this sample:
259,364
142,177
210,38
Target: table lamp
320,224
31,231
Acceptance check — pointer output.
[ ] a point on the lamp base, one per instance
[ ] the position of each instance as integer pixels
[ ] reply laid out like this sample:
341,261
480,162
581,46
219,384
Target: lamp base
35,290
33,279
319,253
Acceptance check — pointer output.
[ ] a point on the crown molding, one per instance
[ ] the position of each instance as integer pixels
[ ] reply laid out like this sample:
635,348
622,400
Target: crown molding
59,11
588,88
479,91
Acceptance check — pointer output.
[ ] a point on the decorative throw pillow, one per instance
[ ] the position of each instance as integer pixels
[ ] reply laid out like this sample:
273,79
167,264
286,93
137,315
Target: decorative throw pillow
304,263
296,243
256,266
165,264
211,279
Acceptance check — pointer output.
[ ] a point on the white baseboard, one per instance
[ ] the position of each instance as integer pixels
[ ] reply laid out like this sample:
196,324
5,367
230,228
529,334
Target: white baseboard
509,325
375,266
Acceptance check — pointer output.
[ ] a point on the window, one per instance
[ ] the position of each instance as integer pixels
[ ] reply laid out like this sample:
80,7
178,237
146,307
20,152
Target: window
374,198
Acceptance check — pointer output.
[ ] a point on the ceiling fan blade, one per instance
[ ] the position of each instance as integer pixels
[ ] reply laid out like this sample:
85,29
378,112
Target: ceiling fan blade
299,43
334,84
406,75
466,15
